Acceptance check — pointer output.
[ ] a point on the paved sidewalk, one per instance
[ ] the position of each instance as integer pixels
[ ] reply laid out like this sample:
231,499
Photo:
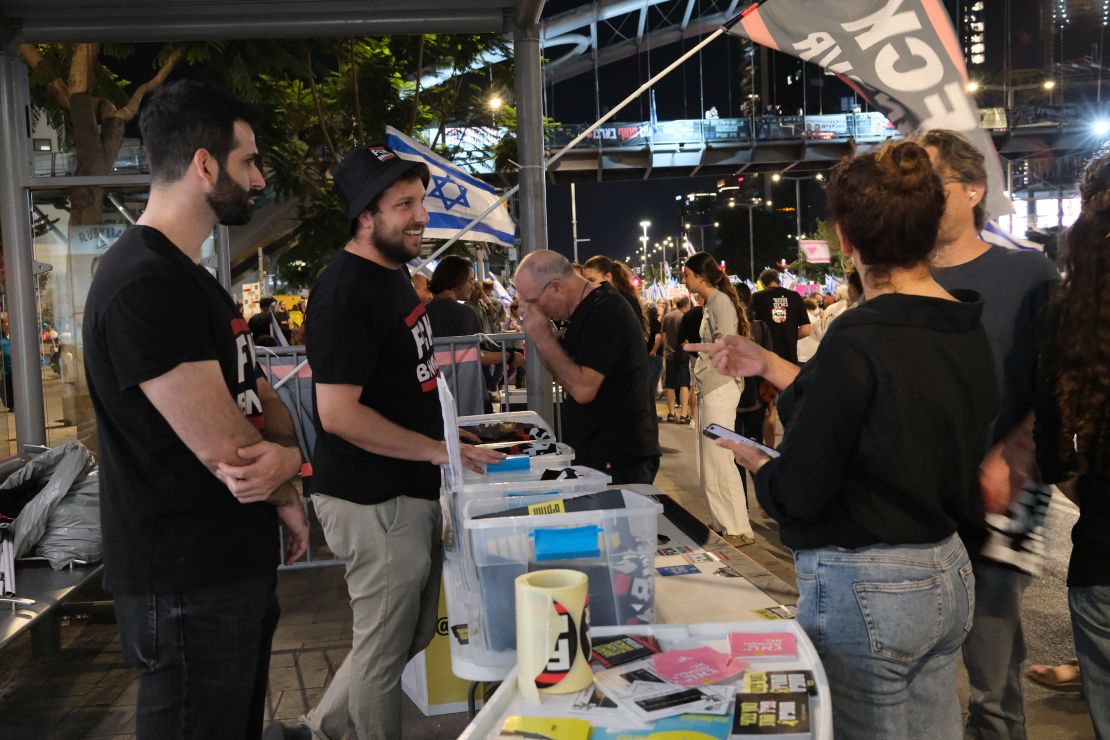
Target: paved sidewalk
86,691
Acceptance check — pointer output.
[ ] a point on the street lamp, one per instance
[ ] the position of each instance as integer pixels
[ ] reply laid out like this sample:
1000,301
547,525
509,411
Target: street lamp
495,102
644,239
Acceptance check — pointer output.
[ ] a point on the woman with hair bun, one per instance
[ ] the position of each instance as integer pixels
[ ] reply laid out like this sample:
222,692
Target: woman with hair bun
1072,427
718,398
885,429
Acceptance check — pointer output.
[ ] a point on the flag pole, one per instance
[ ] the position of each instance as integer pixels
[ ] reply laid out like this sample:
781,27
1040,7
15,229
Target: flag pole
574,142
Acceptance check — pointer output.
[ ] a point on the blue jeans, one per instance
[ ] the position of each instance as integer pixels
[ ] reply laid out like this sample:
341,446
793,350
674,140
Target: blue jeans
1090,626
994,654
888,622
203,659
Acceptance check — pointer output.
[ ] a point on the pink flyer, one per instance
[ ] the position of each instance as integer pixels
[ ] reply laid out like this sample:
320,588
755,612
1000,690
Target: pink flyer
762,645
695,667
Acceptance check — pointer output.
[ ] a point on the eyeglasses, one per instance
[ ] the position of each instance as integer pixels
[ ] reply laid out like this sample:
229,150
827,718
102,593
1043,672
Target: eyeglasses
532,301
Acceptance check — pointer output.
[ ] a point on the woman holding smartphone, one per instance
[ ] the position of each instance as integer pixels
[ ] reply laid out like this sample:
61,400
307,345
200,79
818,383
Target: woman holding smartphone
885,429
718,396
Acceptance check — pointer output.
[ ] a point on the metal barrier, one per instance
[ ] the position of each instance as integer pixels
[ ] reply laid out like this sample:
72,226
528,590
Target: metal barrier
288,372
452,353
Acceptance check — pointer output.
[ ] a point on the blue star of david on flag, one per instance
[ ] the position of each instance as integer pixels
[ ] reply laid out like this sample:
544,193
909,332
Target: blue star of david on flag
439,182
455,196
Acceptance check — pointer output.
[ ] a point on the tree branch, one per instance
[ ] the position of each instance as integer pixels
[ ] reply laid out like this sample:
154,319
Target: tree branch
57,88
358,103
320,108
81,68
416,95
129,111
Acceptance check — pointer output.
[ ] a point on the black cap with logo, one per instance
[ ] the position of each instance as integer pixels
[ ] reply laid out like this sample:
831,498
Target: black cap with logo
365,173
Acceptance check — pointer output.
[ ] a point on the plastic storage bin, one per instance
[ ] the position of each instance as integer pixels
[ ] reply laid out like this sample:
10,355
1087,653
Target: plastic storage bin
614,547
522,467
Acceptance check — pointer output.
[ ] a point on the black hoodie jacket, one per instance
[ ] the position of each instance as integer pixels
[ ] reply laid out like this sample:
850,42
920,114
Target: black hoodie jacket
886,427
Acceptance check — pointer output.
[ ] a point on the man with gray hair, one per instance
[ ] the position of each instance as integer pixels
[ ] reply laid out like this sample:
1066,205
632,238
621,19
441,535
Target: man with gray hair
601,362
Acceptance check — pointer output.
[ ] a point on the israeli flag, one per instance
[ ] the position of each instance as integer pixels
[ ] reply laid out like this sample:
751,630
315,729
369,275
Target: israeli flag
992,233
454,197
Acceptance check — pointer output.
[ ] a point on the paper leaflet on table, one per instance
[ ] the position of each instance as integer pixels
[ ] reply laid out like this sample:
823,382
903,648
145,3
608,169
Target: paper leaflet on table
772,715
696,666
642,691
762,644
515,727
683,726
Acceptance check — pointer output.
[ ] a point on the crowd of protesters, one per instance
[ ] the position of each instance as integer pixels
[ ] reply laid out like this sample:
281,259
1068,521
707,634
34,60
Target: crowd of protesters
926,410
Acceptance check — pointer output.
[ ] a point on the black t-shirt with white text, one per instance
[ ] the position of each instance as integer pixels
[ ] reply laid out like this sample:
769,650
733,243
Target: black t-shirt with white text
169,524
366,327
783,311
619,426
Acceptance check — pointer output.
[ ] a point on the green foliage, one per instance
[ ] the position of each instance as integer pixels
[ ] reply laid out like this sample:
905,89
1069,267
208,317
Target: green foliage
56,61
316,100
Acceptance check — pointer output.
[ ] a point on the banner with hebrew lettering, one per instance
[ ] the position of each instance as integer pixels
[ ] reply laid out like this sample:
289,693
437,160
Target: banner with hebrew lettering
903,56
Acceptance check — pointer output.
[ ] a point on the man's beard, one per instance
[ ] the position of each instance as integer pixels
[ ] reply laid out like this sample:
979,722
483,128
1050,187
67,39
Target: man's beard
392,245
230,201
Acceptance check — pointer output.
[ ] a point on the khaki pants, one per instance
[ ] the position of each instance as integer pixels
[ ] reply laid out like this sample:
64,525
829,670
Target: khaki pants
394,557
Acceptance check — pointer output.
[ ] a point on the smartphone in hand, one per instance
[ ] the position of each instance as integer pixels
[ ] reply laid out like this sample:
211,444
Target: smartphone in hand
716,431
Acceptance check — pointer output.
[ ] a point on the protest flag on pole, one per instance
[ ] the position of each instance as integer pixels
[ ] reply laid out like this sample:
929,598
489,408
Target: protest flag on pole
454,197
901,55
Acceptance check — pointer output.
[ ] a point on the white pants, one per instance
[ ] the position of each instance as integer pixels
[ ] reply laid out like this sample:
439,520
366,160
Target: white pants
720,478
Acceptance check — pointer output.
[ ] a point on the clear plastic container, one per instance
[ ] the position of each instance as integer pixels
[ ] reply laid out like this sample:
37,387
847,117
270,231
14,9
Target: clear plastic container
615,547
522,467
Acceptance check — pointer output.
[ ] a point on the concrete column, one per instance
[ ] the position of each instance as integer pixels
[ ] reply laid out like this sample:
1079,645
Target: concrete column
533,188
15,228
223,257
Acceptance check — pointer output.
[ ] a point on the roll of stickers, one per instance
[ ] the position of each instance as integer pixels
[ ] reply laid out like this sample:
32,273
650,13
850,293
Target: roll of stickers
552,633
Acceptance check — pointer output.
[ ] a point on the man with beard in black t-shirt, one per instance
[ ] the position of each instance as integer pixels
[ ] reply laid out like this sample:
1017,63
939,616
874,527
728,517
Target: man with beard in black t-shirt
196,452
379,440
601,362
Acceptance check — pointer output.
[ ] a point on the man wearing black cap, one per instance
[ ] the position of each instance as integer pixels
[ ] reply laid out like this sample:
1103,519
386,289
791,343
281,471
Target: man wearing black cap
379,439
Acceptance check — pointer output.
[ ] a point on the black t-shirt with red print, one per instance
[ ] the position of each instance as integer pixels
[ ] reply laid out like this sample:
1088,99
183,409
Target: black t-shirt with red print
169,524
783,311
366,327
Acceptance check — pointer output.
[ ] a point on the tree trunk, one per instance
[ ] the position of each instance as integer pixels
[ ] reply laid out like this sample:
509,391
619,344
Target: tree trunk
97,143
97,136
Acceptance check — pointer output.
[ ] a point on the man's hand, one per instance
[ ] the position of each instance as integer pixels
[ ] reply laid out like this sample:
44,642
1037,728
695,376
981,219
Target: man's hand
473,458
735,356
747,457
271,465
295,522
535,322
995,481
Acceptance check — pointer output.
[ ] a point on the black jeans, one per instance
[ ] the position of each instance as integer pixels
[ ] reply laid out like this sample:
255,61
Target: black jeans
203,659
750,424
640,472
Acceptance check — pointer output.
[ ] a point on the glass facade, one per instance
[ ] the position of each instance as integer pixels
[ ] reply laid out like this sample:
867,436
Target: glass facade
73,229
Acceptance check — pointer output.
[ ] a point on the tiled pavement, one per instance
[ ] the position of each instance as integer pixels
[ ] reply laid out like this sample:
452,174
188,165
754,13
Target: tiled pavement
87,692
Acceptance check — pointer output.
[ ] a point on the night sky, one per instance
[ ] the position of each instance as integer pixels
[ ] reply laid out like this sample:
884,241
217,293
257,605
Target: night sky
609,213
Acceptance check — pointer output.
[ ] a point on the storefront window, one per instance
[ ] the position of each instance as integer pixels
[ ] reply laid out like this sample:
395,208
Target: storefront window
73,229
